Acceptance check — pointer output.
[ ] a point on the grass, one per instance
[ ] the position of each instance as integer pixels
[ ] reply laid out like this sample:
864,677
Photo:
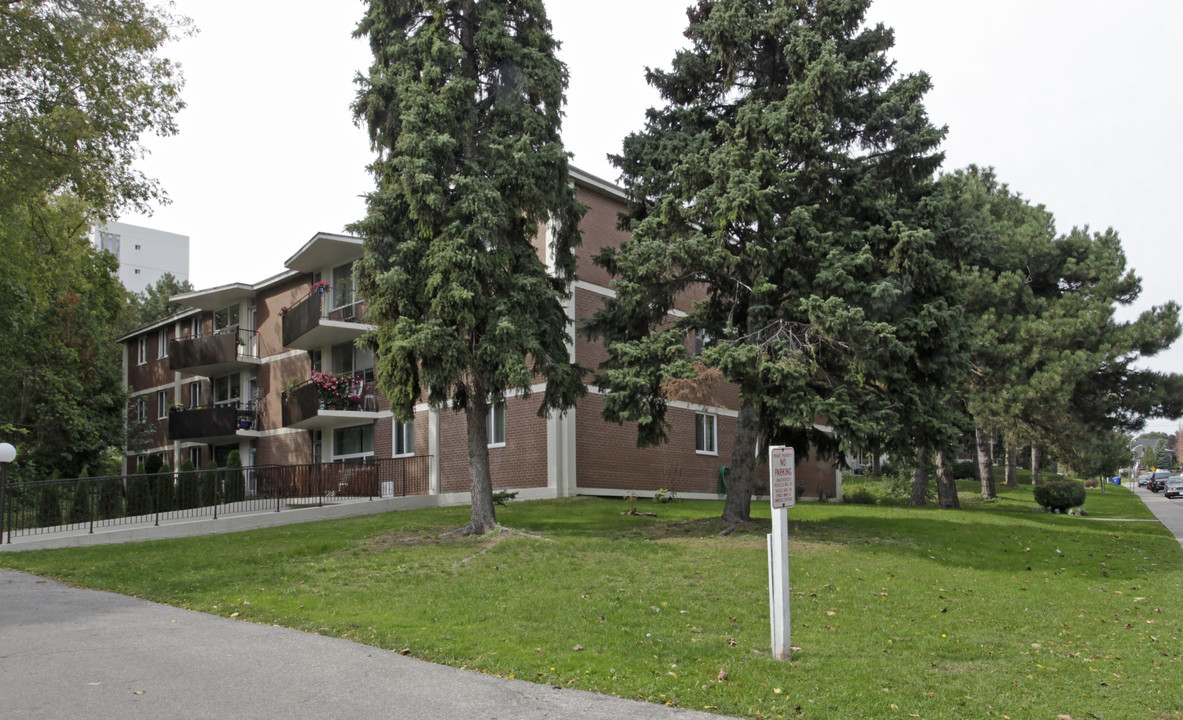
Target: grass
995,611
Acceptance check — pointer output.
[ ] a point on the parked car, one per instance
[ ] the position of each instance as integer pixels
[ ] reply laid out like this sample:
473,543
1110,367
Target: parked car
1142,479
1158,480
1174,487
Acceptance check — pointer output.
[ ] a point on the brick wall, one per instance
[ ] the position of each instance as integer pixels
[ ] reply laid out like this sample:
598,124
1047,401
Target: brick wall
520,464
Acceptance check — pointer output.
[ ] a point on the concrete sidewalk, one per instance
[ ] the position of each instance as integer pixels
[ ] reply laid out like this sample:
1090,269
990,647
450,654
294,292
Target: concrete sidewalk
67,653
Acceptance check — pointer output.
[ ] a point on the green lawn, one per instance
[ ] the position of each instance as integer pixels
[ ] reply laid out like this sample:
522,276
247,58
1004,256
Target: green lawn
994,611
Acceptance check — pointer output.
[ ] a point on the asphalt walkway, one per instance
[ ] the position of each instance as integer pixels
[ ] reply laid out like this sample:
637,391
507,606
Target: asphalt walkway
67,653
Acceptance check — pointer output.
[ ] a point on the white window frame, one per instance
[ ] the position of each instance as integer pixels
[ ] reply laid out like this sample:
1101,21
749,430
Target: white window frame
161,404
195,457
404,435
704,444
496,412
195,394
141,408
162,345
142,350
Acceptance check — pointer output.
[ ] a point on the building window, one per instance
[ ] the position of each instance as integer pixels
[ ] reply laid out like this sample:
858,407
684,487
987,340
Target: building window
314,360
227,389
195,456
195,394
352,360
161,404
195,326
141,350
342,285
226,318
141,408
353,444
109,242
137,247
497,424
162,344
137,271
705,439
404,438
701,340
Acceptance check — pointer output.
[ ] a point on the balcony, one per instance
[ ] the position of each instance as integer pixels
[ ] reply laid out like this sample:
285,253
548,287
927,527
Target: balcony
218,354
211,424
323,318
309,407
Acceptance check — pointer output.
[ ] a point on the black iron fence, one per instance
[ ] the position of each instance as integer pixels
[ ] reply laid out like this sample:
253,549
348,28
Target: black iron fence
51,506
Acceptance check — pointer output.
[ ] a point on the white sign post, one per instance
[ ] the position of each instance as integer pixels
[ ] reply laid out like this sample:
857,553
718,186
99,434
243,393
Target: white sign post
782,484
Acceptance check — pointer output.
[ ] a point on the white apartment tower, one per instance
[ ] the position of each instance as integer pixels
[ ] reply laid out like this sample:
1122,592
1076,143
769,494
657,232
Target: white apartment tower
144,254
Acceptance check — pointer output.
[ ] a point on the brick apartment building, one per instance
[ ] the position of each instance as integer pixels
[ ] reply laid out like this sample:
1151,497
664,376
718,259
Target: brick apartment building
239,370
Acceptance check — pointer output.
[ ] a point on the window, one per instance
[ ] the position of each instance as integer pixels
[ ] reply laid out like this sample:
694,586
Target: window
226,318
314,360
195,456
195,393
195,326
141,408
352,360
404,438
161,404
704,434
141,350
137,246
137,271
497,424
343,285
162,344
227,389
109,242
353,444
701,340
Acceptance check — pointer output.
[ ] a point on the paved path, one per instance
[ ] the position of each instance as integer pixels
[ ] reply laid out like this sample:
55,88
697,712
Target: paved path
67,653
1168,511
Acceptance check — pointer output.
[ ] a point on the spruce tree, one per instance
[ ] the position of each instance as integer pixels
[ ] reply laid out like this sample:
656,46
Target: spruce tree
188,487
782,181
235,488
463,103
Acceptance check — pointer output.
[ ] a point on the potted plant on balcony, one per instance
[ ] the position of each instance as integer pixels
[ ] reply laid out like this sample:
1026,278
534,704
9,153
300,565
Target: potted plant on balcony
333,389
320,286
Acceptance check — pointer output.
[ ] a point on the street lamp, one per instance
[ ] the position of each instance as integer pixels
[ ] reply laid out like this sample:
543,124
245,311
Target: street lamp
7,455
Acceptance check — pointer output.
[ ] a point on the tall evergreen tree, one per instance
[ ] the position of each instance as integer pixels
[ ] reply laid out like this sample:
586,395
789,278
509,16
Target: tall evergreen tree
782,177
463,104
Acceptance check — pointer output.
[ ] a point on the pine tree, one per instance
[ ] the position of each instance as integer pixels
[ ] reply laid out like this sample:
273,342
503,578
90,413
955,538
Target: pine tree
463,104
783,178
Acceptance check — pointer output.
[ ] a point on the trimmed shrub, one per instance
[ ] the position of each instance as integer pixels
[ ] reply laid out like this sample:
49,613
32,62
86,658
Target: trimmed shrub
139,492
1059,495
164,489
111,498
80,500
235,486
188,487
208,484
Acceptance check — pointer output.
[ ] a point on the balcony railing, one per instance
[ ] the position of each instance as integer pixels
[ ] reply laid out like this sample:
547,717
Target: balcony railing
323,318
304,405
218,421
211,354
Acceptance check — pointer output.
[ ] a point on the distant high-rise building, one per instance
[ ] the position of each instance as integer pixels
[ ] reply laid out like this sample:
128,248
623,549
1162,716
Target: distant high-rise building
144,254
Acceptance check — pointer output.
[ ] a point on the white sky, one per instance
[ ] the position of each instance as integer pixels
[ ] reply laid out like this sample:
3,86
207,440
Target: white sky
1074,102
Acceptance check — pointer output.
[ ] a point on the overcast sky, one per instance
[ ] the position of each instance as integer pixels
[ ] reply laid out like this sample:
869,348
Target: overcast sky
1074,102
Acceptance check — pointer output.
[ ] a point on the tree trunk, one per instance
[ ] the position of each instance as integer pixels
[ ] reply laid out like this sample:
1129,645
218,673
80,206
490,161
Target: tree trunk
876,462
738,505
919,479
1012,464
984,468
946,485
1035,462
477,415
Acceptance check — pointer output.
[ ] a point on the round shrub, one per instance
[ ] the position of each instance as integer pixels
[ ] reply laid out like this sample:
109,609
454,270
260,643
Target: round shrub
862,496
964,470
1059,495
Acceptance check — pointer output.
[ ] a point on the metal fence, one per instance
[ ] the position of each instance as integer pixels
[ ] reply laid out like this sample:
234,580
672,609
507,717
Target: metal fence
51,506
